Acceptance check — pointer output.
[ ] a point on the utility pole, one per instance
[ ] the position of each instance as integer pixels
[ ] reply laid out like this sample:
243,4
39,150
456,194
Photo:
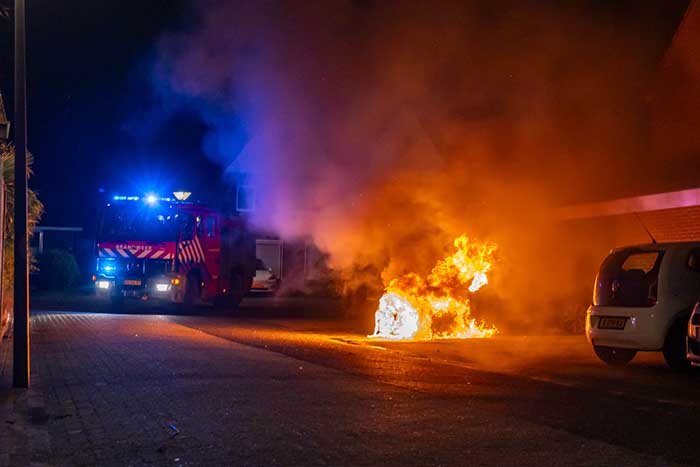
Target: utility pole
21,358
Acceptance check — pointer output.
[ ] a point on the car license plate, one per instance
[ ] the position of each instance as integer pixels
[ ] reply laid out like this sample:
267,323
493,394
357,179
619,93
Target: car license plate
607,322
132,282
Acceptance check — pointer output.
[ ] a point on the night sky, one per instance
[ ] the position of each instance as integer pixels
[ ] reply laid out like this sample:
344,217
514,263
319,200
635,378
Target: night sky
91,100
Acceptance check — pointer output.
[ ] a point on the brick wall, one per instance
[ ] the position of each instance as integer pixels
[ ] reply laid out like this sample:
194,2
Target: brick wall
672,225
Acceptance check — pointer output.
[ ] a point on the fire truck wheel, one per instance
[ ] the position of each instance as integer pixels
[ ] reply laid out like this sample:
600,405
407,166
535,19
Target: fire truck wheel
236,289
192,289
228,302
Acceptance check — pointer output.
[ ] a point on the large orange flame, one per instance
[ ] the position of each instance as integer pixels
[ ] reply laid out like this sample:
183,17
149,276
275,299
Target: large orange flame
438,307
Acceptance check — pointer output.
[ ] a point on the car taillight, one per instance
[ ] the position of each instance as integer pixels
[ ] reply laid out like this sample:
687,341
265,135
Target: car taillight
653,295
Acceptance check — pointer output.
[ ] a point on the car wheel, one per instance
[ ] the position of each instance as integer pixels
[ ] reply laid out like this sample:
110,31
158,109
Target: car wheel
674,346
614,355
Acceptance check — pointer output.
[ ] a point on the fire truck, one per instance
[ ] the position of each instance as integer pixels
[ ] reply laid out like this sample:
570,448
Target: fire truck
168,249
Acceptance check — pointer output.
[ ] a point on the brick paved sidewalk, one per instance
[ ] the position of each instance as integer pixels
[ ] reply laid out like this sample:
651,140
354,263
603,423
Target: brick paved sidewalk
24,438
142,390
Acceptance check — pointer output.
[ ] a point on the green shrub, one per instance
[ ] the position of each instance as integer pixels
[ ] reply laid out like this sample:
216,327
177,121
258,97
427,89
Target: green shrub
58,269
7,169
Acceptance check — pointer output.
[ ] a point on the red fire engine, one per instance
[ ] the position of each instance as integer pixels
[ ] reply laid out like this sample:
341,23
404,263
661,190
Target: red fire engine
156,248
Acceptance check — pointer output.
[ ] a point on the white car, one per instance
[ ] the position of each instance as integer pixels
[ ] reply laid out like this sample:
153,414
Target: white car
264,280
642,300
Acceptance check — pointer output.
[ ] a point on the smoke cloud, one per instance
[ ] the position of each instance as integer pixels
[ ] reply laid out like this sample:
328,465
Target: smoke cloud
384,129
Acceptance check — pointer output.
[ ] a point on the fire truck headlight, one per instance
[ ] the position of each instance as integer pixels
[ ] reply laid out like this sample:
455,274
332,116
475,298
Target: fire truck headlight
103,284
162,287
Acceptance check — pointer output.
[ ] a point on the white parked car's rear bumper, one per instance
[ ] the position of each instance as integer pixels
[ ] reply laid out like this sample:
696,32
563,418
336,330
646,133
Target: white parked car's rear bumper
644,328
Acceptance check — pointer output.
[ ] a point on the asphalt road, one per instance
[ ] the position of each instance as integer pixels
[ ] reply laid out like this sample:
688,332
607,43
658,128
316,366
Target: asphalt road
273,387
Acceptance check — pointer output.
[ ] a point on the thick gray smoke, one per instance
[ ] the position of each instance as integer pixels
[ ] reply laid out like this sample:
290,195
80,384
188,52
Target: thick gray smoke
383,129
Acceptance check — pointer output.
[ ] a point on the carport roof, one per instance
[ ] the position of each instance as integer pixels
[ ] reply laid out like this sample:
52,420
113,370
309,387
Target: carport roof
636,204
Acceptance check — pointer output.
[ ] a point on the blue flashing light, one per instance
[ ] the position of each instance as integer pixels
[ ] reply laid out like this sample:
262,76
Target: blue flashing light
149,198
106,265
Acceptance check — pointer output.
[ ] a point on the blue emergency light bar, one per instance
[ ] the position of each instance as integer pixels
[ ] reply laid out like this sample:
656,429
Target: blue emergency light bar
150,199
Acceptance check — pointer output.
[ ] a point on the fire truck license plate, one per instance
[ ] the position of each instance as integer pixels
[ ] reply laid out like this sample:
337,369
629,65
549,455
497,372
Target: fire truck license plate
132,282
611,323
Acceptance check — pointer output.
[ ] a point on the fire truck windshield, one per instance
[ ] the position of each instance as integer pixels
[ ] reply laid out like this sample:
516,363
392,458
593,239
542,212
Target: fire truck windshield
136,222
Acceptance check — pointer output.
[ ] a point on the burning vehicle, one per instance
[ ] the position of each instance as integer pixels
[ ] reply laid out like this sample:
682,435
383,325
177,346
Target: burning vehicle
438,307
167,249
265,280
642,301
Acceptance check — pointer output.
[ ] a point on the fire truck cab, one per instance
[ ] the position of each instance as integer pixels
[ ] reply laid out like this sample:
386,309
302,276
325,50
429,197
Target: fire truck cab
155,248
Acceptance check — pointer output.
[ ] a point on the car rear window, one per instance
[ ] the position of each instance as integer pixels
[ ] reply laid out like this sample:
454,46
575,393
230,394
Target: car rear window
643,261
628,278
